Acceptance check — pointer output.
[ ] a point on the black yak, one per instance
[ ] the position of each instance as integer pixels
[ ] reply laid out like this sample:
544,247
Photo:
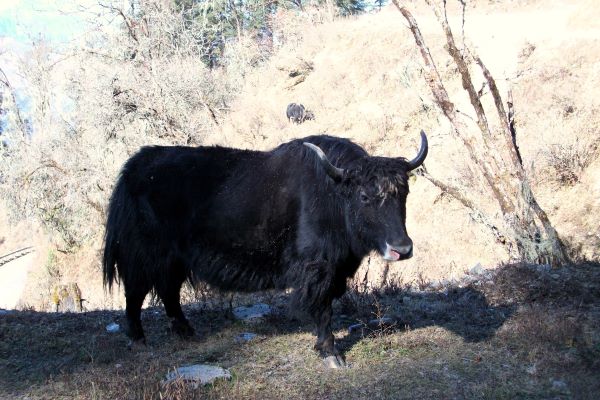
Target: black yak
298,114
300,216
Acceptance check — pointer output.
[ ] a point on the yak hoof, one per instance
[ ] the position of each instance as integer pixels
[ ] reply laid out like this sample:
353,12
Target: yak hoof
182,329
334,362
136,345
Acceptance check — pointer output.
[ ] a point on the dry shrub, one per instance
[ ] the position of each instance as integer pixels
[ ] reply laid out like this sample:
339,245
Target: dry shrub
568,161
527,283
116,91
557,318
93,104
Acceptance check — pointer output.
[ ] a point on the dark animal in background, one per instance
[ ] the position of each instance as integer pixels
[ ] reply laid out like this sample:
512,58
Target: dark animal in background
298,114
300,216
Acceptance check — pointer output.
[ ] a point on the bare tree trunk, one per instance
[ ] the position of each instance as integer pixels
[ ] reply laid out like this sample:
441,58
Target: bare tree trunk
504,176
236,16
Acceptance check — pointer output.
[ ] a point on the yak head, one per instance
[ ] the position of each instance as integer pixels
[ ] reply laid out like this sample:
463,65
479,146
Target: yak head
374,190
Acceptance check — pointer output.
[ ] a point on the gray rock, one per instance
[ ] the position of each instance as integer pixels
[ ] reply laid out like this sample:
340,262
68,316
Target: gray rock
379,322
198,374
557,384
4,312
334,362
245,337
113,327
252,314
355,328
543,267
435,284
477,269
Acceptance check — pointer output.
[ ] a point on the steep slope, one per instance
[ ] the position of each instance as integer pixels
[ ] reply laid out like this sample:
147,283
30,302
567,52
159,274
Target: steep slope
362,80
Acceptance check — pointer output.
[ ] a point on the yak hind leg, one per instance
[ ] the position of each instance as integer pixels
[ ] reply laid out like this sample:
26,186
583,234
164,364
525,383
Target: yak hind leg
134,297
169,293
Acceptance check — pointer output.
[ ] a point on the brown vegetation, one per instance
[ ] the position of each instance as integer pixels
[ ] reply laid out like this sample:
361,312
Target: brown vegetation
370,91
523,332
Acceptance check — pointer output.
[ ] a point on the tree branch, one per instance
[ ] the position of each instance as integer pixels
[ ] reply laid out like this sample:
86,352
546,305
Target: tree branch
506,121
441,97
475,213
20,122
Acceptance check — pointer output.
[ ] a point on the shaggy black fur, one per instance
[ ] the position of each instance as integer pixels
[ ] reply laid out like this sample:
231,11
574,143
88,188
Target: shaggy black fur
249,220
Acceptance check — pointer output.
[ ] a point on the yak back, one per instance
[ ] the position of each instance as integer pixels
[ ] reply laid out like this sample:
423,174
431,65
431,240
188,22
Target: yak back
234,218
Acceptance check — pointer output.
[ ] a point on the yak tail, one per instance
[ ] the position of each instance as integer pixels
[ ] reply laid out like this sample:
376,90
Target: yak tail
116,221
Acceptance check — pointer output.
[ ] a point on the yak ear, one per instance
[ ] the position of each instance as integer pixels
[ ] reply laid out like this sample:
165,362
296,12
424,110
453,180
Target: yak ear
334,172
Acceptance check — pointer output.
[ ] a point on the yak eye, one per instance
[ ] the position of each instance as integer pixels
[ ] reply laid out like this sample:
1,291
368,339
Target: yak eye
363,197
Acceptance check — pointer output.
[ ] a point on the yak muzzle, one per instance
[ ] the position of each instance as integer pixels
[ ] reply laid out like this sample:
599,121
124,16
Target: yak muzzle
399,252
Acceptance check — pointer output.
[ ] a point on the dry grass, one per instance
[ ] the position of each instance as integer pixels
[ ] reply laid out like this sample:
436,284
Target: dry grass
525,332
363,83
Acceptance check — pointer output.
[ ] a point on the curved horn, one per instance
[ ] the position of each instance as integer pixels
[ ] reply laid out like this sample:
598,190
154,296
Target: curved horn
334,172
418,160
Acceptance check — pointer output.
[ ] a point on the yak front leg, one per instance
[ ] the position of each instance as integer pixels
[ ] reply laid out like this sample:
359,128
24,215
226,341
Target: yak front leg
325,340
315,294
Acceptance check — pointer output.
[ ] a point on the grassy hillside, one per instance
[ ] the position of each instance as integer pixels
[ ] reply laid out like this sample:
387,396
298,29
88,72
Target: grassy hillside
516,331
364,81
362,77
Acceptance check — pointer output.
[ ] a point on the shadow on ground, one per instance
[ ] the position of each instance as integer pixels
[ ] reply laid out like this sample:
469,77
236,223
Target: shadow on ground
37,347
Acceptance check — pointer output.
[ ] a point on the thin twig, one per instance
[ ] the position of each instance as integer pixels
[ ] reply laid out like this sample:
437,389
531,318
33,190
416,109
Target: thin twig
455,193
4,80
511,124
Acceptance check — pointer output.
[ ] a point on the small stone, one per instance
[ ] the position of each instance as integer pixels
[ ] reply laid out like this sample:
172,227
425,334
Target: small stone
477,269
555,276
334,362
252,314
435,285
117,366
198,374
245,337
381,322
113,327
543,267
531,370
355,328
557,384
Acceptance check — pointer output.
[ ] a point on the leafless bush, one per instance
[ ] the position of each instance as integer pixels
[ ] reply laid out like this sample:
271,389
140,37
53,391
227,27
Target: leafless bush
97,102
366,301
567,161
